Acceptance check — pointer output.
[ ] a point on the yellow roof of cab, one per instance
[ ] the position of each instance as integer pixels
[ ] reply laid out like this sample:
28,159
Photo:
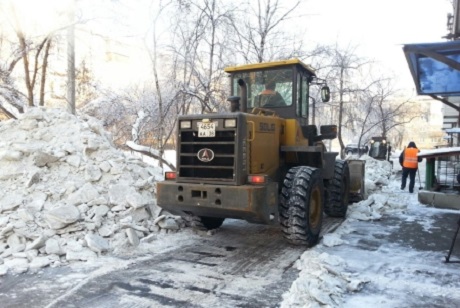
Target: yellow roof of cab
257,66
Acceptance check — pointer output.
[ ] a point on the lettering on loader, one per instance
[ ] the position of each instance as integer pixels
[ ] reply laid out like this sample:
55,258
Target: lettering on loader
266,127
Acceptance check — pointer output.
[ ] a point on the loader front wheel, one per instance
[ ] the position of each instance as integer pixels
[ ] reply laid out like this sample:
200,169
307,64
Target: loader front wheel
301,205
338,191
211,222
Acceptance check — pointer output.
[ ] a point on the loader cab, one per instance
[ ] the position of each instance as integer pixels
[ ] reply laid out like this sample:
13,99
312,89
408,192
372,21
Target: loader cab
281,86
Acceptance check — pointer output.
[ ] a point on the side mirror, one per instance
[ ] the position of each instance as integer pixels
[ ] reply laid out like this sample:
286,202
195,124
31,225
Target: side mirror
325,94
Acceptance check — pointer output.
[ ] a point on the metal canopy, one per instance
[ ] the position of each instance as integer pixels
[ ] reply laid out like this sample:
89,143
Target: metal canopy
435,67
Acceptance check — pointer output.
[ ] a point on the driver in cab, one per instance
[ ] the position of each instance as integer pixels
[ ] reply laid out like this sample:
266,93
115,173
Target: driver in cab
269,97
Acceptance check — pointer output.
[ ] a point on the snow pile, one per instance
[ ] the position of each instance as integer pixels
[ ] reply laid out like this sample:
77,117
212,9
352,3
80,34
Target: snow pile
66,194
322,282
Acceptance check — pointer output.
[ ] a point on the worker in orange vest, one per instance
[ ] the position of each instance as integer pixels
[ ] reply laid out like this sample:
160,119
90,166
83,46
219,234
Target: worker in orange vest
269,97
409,162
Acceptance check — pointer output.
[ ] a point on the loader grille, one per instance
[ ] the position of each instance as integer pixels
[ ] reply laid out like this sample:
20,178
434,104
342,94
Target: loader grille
220,168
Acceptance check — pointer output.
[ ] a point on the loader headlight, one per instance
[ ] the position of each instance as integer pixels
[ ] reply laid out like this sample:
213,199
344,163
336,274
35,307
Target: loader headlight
230,123
185,124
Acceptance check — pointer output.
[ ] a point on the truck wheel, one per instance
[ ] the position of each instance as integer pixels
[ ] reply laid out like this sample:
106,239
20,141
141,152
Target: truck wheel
211,222
203,222
301,205
338,190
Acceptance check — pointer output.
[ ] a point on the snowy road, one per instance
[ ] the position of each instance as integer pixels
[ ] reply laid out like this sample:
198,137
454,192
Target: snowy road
242,265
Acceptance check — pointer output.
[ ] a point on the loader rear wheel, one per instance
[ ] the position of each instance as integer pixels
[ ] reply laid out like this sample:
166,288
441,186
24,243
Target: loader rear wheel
301,205
338,190
203,222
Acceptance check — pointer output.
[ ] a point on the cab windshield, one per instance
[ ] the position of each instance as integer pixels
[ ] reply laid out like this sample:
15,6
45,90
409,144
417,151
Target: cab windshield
266,88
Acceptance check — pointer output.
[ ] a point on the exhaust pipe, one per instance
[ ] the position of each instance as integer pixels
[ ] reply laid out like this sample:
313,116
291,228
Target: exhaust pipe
235,100
244,95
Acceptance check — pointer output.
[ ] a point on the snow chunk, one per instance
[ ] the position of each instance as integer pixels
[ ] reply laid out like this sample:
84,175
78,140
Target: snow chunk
118,194
96,243
42,159
62,216
18,266
40,262
84,195
11,201
80,255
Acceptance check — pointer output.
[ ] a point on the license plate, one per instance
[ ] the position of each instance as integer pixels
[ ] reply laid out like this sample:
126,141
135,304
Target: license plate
206,129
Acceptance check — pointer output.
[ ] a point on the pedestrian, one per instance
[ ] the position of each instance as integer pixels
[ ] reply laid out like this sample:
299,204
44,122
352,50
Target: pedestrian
409,162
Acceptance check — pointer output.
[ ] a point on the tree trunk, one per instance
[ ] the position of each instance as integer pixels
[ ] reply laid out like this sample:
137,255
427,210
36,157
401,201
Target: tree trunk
44,68
71,61
25,60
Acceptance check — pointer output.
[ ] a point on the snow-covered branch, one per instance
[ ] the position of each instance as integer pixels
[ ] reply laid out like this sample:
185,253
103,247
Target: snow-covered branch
149,152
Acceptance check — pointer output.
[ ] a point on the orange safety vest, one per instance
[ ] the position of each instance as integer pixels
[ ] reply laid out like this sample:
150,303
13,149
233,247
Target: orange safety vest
410,158
268,92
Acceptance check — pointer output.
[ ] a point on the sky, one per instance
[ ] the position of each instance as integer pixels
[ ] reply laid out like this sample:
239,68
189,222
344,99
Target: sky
379,29
337,271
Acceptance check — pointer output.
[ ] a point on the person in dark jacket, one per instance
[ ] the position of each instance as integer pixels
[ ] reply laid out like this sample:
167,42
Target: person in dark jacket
409,161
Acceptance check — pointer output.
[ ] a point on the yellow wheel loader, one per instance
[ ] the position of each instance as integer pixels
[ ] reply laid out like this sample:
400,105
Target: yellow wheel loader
261,161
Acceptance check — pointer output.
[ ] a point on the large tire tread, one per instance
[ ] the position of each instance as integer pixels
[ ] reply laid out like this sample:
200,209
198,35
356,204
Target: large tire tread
338,191
295,197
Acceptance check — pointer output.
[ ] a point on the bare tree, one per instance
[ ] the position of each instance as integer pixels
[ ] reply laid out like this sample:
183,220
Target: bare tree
260,38
114,112
390,111
192,65
32,67
378,109
154,59
344,64
12,100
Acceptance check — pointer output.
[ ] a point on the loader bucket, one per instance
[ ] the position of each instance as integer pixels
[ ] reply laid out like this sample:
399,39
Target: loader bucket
357,179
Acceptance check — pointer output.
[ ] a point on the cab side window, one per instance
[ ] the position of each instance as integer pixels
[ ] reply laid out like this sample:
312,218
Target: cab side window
302,96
